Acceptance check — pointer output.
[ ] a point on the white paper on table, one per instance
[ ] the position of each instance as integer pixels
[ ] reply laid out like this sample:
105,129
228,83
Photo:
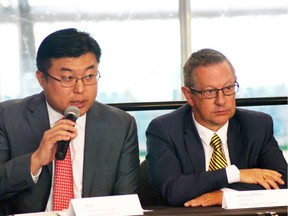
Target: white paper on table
119,205
255,198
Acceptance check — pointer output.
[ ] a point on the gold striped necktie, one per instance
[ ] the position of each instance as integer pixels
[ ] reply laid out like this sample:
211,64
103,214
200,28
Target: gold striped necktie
218,160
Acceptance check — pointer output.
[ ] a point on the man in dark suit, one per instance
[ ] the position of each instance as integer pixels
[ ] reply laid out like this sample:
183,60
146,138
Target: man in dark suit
104,144
178,143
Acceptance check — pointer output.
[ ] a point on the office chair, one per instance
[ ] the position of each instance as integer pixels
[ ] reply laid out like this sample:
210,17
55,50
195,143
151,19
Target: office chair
146,194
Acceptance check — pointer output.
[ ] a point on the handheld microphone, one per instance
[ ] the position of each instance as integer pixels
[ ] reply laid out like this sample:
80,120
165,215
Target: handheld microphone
71,113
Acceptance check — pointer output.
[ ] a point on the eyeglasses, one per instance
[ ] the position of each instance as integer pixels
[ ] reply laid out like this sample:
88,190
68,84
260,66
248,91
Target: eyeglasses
213,93
70,81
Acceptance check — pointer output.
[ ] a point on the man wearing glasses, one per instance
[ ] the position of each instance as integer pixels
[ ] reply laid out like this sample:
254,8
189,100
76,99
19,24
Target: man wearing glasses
104,146
208,146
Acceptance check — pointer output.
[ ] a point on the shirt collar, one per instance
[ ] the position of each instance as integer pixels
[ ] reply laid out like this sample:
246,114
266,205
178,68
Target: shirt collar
206,134
54,116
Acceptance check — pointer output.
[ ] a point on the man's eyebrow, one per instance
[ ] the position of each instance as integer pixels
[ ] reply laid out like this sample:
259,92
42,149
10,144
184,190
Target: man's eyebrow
90,67
70,70
66,69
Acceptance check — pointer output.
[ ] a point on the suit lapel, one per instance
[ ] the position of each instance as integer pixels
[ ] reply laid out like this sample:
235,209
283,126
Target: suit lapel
94,124
37,117
236,144
194,145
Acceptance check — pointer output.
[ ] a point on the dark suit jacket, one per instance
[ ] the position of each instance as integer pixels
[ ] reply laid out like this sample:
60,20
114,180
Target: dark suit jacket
111,154
176,161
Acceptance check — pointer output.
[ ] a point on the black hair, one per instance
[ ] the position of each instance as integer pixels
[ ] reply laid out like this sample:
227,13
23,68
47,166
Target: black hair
65,43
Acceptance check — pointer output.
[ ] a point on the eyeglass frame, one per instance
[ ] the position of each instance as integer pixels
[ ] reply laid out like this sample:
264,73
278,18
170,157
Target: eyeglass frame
98,76
236,84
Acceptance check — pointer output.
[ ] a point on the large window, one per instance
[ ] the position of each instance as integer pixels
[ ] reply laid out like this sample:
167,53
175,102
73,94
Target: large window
144,45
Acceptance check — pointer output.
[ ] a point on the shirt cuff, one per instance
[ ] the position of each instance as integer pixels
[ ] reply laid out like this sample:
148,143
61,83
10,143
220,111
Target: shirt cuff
36,176
228,190
233,174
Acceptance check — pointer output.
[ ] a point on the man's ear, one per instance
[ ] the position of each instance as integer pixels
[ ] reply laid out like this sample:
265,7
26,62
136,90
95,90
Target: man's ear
187,93
41,78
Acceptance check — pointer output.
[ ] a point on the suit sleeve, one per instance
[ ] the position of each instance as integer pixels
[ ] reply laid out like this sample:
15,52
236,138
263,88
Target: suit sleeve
128,167
15,174
262,151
